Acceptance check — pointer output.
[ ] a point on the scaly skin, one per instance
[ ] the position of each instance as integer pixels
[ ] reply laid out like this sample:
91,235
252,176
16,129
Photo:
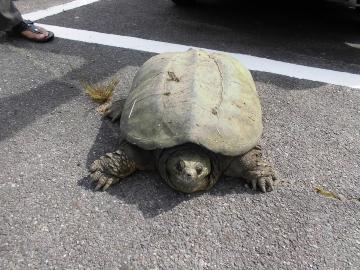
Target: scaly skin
186,168
254,169
109,169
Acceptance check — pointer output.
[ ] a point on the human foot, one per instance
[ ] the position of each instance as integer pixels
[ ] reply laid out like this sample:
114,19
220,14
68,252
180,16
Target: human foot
28,30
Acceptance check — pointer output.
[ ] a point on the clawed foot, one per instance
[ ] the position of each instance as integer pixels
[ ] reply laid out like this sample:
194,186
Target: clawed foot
264,184
262,177
110,168
257,171
99,175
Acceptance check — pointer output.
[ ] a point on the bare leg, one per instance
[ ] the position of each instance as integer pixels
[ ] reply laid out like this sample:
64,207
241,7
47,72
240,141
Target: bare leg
110,168
253,168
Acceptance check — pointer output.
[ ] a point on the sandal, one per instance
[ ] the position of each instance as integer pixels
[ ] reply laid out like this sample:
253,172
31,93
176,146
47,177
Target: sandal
27,25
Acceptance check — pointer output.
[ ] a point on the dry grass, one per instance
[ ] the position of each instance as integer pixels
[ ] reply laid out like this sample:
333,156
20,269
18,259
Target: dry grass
100,93
327,194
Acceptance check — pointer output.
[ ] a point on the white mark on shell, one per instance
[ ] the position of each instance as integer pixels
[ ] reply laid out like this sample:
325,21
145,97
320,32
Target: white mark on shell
132,107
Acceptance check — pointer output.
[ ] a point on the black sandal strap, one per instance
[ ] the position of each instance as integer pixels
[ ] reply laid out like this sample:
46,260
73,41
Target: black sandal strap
28,22
25,25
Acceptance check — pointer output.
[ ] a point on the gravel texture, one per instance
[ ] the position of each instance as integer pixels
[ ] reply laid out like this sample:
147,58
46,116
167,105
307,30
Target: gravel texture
50,218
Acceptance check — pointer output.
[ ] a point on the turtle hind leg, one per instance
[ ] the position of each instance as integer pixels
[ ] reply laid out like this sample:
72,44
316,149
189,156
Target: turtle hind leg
255,170
111,168
115,110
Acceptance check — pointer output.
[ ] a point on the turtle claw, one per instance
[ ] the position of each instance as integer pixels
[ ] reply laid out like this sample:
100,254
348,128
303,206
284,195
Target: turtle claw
102,180
108,183
264,184
110,168
268,184
99,175
100,183
95,166
95,176
253,184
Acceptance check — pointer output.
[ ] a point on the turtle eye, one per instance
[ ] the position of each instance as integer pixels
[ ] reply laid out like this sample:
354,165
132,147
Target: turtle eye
180,166
199,169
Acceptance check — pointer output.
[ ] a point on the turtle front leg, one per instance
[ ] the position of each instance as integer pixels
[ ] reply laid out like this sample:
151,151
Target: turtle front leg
254,169
110,168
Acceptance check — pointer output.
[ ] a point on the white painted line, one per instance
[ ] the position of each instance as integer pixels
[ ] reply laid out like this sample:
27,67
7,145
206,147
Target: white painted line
37,15
354,45
251,62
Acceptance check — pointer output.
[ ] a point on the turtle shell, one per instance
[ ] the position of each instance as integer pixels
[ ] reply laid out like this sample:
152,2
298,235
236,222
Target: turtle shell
197,97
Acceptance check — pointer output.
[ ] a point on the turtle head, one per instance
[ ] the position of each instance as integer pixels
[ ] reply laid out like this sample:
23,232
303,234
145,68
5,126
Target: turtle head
188,170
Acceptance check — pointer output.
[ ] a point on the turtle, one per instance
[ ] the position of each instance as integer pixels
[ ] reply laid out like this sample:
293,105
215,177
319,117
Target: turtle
195,117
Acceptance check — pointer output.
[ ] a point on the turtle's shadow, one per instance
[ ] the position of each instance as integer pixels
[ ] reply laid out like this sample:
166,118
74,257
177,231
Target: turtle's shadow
146,189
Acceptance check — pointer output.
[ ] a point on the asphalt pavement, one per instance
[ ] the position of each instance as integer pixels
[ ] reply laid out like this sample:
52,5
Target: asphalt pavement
50,132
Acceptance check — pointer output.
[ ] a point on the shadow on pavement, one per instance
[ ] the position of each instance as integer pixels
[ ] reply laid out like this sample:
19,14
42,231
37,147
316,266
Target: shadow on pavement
146,189
285,82
20,110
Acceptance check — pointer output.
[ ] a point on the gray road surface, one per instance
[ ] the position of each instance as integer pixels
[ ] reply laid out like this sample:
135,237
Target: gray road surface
50,218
